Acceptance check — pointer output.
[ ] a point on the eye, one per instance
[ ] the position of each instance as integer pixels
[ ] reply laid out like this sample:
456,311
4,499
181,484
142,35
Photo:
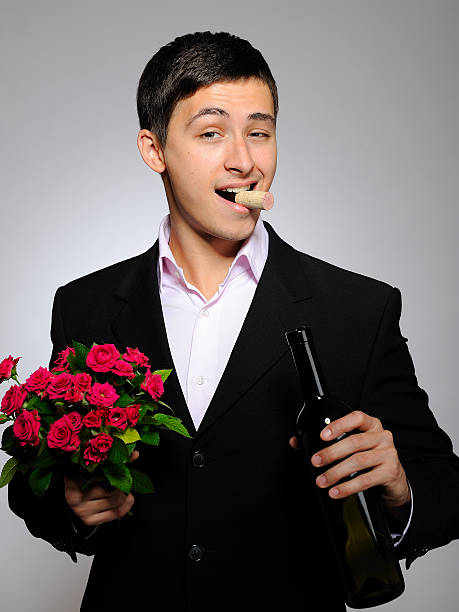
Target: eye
209,135
258,134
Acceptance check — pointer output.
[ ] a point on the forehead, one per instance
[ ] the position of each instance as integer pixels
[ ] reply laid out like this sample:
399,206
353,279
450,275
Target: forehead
239,98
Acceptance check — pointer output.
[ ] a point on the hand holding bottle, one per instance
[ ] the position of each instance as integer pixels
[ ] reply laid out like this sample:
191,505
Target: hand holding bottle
372,449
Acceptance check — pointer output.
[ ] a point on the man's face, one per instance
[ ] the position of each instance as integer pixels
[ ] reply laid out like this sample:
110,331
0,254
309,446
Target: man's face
221,137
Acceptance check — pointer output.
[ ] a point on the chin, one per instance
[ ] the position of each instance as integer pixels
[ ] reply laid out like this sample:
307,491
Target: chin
239,232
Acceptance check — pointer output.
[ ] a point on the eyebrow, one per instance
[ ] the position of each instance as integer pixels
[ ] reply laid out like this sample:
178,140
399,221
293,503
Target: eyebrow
214,110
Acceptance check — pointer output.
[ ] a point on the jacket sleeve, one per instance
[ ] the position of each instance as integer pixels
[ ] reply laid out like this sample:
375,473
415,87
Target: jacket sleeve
50,518
392,394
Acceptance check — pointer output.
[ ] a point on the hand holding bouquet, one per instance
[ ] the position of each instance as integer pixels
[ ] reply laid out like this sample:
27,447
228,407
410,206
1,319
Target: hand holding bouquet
84,418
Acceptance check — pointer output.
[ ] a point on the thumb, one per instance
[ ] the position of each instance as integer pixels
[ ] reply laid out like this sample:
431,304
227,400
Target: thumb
134,455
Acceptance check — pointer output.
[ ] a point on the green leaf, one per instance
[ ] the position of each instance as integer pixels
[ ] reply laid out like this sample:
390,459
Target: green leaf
138,380
131,448
165,405
35,403
141,483
151,437
119,451
128,436
42,447
72,361
148,420
39,481
45,461
124,400
81,352
8,471
163,373
118,475
3,418
76,456
153,406
165,421
142,413
8,439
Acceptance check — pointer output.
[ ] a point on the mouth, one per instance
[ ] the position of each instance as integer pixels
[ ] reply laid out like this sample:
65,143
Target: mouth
231,195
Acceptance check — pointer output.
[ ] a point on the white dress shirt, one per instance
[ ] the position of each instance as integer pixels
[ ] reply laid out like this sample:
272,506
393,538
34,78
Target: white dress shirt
202,333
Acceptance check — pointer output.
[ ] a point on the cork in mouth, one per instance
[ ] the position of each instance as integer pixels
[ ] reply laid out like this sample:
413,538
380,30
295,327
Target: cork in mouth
231,195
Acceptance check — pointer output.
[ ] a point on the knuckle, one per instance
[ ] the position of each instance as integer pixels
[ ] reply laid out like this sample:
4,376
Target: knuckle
359,414
388,436
365,481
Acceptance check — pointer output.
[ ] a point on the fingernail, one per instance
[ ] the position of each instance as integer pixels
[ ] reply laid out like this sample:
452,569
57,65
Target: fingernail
334,492
321,480
317,460
326,433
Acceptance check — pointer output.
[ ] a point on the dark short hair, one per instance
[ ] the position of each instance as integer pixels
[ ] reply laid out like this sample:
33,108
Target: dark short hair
192,61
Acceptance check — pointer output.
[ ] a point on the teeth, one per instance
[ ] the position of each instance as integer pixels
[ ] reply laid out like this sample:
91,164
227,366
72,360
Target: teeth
237,189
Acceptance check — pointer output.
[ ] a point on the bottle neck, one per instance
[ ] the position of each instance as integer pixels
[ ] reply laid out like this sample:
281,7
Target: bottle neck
306,362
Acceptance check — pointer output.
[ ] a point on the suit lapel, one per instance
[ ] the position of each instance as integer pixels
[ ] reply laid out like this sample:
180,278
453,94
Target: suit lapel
140,323
278,305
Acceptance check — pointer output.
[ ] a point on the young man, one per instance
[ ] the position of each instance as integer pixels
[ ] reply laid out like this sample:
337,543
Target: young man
235,524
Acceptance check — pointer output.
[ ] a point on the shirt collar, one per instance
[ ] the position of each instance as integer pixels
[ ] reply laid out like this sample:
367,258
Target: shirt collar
251,257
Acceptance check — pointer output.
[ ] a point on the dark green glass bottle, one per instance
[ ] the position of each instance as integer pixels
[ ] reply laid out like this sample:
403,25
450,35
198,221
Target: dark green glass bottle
366,556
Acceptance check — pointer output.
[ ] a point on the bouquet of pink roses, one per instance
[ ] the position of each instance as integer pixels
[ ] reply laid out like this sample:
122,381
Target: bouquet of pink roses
84,417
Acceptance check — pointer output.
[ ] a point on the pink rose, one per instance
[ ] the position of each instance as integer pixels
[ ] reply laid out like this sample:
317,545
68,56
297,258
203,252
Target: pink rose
102,357
103,395
74,395
135,356
6,368
82,382
38,381
26,428
132,414
75,421
13,399
93,419
59,385
153,384
62,435
122,368
97,448
117,418
61,361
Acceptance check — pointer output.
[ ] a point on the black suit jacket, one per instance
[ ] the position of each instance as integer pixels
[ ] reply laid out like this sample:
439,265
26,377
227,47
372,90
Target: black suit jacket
250,509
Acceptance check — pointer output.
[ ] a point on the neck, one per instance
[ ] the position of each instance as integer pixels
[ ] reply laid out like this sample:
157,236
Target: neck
205,260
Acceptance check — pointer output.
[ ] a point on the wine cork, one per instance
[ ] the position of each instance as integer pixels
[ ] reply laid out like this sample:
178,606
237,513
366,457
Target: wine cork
255,199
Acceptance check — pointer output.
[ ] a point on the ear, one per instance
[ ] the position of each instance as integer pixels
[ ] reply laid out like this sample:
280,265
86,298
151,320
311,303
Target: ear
151,150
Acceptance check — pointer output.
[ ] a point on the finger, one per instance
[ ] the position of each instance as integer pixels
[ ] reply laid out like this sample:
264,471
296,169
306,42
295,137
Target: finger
354,420
97,492
355,463
93,507
357,484
134,455
127,504
294,443
112,514
352,444
115,506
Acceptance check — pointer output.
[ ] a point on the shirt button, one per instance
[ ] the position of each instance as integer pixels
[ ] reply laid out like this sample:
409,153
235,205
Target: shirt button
199,459
205,313
196,552
200,380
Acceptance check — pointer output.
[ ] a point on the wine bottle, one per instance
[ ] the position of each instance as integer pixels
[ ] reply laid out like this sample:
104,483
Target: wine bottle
366,556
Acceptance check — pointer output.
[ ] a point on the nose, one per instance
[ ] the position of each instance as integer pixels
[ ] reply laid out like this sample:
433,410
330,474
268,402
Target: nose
238,156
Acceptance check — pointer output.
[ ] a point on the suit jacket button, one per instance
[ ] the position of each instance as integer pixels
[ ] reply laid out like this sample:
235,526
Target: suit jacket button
196,552
199,459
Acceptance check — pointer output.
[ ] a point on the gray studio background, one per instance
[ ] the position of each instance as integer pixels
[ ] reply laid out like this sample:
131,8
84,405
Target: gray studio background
367,179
